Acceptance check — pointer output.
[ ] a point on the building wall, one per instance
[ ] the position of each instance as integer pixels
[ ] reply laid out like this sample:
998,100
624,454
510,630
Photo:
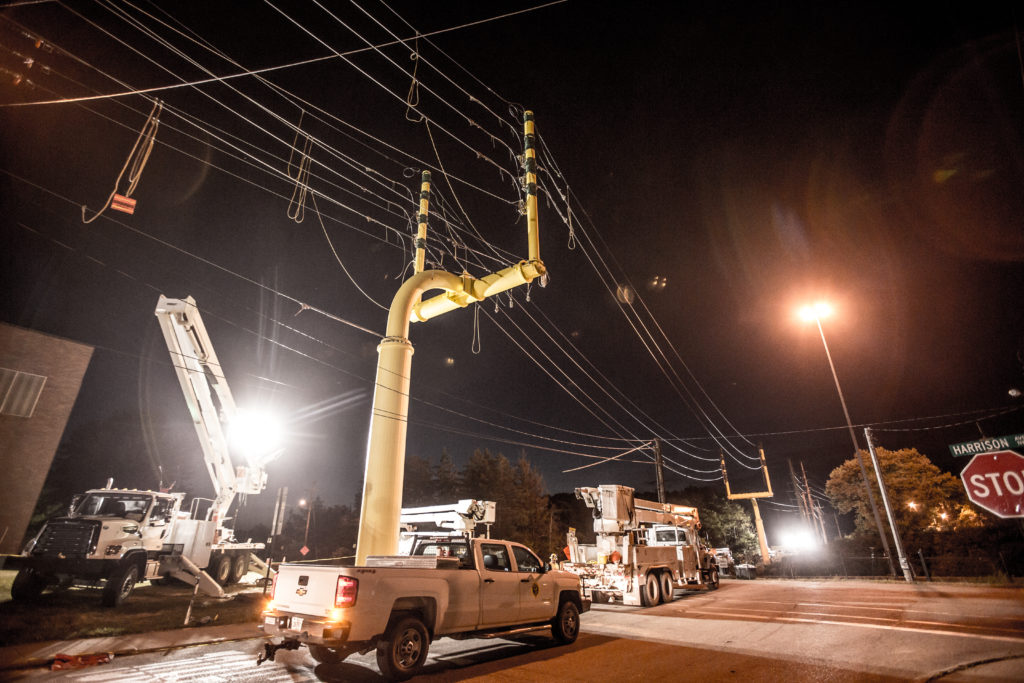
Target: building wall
28,443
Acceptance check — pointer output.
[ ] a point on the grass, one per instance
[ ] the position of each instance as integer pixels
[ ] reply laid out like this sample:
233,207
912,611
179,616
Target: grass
77,613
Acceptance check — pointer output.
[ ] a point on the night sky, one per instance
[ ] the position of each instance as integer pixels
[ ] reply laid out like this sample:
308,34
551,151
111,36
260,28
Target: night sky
727,162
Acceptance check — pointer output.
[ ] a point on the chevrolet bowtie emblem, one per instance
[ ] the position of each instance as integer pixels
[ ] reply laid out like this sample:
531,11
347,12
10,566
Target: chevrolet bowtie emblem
301,591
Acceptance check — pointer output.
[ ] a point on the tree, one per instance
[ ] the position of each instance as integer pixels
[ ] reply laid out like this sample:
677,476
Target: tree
332,532
446,479
523,511
419,488
922,496
530,513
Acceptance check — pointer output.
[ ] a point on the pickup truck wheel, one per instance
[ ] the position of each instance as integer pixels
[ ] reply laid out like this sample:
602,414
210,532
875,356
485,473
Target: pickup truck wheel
326,655
650,592
668,589
27,585
403,650
712,578
120,584
565,627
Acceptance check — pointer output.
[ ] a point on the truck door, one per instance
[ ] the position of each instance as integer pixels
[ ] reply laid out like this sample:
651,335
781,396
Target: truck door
536,589
499,590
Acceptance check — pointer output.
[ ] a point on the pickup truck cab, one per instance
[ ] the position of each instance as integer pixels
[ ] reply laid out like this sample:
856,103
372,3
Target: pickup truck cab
397,605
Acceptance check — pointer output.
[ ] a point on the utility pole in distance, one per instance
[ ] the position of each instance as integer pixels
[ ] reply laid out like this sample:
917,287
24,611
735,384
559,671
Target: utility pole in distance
762,540
659,466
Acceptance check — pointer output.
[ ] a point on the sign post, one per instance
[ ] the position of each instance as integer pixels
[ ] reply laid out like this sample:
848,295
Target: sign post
995,482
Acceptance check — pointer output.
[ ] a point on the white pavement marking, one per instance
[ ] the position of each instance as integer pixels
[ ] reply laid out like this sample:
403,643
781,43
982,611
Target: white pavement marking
850,645
215,667
1013,639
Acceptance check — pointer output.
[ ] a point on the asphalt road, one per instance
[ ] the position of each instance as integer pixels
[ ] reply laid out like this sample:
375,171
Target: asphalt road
752,631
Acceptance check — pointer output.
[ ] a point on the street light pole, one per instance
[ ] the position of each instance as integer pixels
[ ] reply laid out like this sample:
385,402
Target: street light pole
308,504
816,312
904,564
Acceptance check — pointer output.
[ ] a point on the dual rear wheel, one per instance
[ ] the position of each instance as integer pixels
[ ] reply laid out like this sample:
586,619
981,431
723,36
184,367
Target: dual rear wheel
658,588
228,569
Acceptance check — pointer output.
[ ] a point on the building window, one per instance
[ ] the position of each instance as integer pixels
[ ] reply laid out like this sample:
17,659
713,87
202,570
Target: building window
19,392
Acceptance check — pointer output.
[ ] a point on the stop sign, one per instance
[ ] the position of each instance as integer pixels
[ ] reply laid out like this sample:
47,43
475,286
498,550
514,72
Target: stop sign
995,482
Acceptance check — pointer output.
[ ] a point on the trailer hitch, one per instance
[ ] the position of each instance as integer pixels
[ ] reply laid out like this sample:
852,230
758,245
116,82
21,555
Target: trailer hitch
270,649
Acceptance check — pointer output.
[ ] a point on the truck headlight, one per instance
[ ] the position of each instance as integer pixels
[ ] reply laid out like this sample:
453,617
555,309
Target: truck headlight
113,550
130,528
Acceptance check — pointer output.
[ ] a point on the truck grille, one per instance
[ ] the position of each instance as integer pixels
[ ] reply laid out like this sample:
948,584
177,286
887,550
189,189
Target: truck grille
67,537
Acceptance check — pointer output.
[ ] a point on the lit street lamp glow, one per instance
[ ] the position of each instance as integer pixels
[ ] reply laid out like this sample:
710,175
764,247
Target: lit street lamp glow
816,311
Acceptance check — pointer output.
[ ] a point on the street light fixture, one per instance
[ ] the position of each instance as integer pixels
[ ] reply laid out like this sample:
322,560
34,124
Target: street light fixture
815,312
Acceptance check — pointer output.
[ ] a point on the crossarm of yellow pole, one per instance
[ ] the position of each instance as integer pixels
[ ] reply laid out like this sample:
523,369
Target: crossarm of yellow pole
470,290
748,496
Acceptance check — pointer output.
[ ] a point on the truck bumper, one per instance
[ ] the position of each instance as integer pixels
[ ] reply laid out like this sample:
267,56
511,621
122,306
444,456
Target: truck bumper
79,568
305,629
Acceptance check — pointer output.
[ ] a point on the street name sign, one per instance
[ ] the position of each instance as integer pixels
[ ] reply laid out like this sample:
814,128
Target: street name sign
995,482
986,445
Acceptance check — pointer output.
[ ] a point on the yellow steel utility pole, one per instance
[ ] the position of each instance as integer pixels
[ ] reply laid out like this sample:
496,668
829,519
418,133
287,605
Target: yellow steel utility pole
385,453
421,232
762,540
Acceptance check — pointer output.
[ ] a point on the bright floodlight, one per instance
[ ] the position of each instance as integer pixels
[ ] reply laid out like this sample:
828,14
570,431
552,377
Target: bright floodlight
817,311
255,435
799,540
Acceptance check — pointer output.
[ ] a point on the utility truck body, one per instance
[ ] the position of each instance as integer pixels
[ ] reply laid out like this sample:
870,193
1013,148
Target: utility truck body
644,550
116,537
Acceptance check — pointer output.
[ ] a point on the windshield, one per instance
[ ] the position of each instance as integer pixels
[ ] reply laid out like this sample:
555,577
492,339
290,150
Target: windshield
121,505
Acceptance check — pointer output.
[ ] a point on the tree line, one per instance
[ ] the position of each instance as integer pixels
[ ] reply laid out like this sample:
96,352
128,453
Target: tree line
525,512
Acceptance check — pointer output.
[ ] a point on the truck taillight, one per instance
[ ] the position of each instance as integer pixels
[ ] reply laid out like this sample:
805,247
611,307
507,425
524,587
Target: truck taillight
345,594
273,588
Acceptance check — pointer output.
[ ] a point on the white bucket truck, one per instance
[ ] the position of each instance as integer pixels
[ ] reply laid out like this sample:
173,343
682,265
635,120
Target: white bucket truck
117,537
644,550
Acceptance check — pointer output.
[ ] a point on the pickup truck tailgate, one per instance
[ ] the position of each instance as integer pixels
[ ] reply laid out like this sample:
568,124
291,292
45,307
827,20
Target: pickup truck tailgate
306,589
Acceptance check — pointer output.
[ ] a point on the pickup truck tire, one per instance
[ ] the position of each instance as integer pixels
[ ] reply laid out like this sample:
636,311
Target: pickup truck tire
668,589
650,592
326,655
120,584
27,585
565,627
403,650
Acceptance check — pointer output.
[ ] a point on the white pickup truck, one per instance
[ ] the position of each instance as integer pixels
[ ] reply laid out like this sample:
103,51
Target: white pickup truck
396,605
